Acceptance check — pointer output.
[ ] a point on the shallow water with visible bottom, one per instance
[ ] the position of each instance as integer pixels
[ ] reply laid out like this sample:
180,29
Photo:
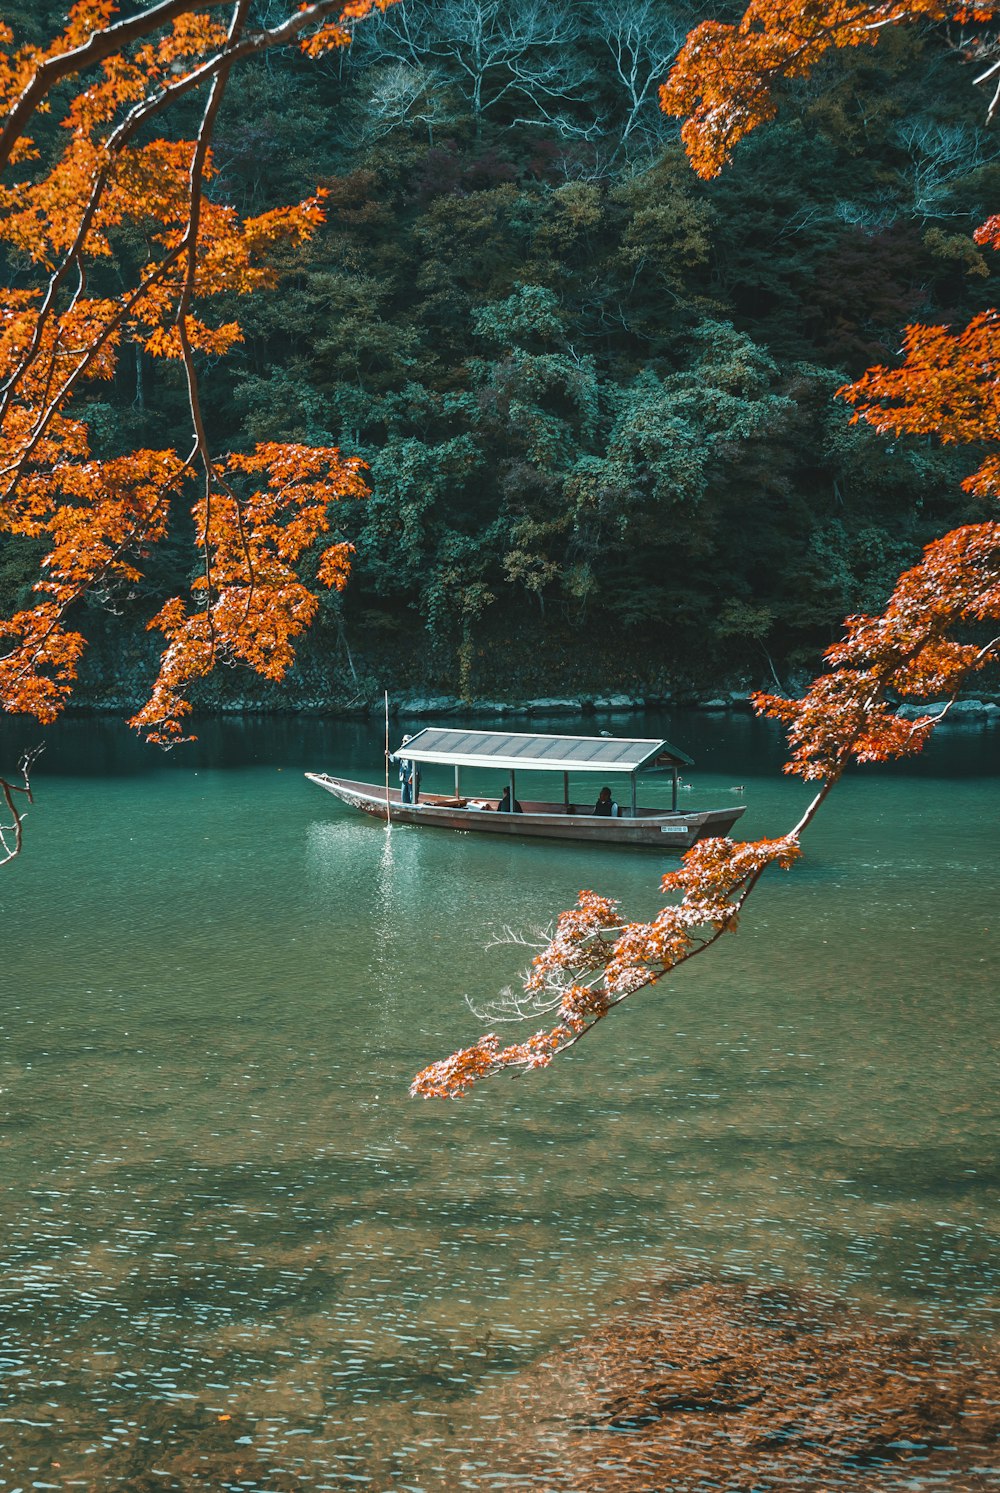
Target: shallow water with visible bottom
222,1212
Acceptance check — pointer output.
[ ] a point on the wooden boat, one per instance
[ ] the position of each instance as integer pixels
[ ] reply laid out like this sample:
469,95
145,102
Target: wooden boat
512,752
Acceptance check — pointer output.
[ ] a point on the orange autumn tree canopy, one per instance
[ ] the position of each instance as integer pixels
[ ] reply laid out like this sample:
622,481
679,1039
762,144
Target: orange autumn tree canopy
64,210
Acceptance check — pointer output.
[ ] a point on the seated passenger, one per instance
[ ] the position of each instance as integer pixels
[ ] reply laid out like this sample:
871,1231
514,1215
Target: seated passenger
606,805
506,807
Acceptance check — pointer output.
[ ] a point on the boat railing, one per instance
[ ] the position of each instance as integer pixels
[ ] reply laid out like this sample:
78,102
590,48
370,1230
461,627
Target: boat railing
538,806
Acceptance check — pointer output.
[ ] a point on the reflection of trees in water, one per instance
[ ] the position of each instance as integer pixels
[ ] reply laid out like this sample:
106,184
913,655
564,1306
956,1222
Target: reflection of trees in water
706,1383
728,1384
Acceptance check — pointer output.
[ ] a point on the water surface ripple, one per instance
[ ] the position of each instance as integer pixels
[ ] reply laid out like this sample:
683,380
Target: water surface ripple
235,1254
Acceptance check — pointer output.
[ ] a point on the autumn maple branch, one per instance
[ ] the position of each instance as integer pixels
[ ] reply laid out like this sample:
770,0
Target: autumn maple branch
593,961
65,217
99,46
105,42
723,81
51,403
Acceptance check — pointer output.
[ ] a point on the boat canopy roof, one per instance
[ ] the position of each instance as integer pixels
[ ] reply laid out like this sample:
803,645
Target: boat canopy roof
530,753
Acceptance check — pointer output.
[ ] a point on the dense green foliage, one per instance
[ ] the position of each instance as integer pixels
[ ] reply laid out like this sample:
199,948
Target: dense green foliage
596,394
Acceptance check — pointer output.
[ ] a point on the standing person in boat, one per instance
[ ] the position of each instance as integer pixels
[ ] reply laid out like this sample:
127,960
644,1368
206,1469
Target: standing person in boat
505,806
606,805
409,774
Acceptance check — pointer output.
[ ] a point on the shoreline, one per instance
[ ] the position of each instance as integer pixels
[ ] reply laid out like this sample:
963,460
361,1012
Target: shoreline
984,707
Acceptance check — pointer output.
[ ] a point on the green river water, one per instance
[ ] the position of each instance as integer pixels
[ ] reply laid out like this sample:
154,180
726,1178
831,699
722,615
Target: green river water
219,1200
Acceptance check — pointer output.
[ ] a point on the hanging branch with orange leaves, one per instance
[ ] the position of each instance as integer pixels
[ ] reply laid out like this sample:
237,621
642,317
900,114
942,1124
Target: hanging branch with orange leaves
595,959
63,212
727,79
938,628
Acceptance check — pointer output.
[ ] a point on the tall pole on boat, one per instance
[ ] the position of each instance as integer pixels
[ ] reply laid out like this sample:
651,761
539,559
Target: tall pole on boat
388,817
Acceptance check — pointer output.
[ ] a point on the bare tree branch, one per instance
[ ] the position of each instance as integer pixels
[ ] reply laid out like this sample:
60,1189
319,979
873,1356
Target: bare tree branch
14,796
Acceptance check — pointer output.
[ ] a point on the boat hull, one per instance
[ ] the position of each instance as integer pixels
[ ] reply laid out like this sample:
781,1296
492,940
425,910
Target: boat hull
652,828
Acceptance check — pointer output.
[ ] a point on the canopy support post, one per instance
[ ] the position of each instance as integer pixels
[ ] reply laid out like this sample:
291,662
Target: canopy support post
673,800
458,782
513,795
632,781
566,791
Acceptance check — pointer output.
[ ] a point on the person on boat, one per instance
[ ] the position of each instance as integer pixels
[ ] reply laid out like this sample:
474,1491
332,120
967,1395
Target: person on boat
606,805
505,806
409,775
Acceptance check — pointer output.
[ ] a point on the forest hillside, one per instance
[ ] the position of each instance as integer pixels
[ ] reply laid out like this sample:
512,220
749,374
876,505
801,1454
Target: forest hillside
596,395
